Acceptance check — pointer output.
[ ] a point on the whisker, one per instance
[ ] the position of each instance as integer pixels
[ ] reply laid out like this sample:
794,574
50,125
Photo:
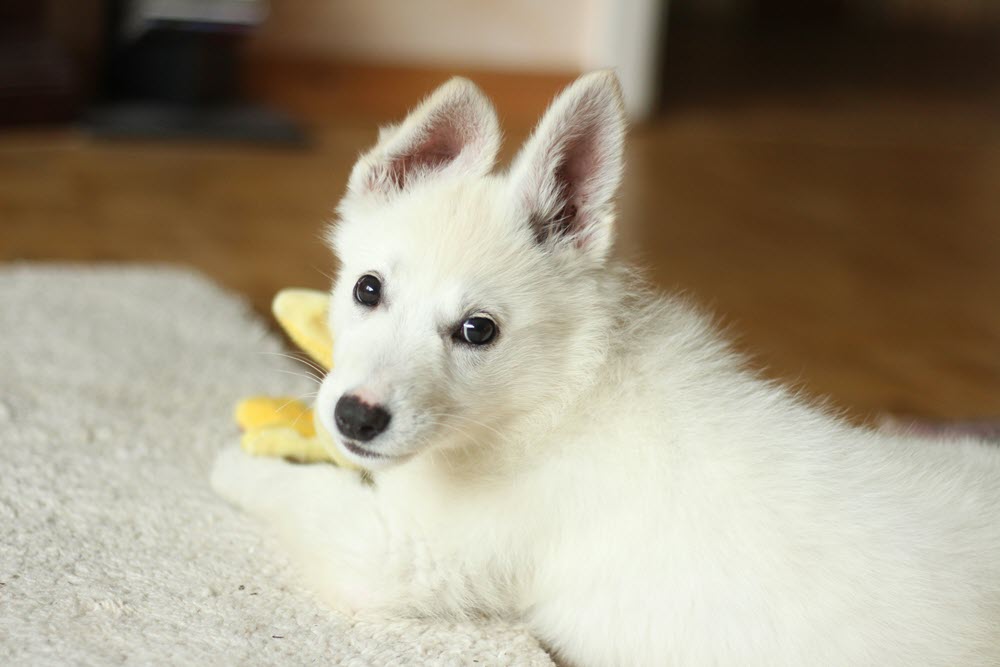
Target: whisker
469,419
322,272
500,436
307,376
297,398
296,420
303,359
300,357
462,432
444,454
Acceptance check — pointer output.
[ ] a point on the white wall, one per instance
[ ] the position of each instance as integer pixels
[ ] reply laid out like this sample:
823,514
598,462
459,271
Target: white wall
511,34
528,35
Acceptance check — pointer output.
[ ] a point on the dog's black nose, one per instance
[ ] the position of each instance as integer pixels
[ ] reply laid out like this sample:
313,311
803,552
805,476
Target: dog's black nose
359,421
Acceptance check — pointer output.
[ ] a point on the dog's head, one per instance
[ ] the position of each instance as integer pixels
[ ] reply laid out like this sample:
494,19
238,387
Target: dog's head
467,300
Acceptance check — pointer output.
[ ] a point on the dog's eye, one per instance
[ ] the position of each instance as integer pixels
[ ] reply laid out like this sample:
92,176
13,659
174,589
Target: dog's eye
477,330
368,290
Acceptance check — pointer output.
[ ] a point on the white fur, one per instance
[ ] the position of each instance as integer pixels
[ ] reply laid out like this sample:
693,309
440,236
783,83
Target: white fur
606,470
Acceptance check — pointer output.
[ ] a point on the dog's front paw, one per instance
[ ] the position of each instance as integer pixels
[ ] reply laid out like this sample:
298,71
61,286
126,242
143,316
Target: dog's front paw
239,477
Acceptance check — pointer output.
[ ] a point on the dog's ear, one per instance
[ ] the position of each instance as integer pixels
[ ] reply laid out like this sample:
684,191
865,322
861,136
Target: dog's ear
567,175
455,130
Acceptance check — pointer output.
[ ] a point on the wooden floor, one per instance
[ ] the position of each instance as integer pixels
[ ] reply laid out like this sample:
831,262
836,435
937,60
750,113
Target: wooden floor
849,240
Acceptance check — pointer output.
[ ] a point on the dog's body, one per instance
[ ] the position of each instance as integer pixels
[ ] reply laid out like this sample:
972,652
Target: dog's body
602,467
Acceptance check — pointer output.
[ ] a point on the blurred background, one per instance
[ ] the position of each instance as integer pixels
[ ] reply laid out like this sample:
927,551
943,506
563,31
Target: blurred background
822,174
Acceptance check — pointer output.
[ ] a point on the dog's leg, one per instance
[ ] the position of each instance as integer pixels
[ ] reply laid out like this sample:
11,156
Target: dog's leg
352,552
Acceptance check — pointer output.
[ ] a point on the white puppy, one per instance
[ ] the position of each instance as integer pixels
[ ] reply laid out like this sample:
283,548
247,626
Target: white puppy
553,442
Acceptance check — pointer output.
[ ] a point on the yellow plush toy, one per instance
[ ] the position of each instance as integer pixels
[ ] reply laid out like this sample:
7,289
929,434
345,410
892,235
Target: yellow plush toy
285,427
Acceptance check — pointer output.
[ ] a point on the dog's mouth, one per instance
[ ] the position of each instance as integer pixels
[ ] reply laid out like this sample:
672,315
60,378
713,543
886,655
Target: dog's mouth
358,450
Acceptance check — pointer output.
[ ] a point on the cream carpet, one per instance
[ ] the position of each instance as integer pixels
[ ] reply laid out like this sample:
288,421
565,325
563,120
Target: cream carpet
116,390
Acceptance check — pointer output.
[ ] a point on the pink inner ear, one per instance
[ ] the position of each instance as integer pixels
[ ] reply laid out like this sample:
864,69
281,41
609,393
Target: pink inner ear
572,178
436,149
